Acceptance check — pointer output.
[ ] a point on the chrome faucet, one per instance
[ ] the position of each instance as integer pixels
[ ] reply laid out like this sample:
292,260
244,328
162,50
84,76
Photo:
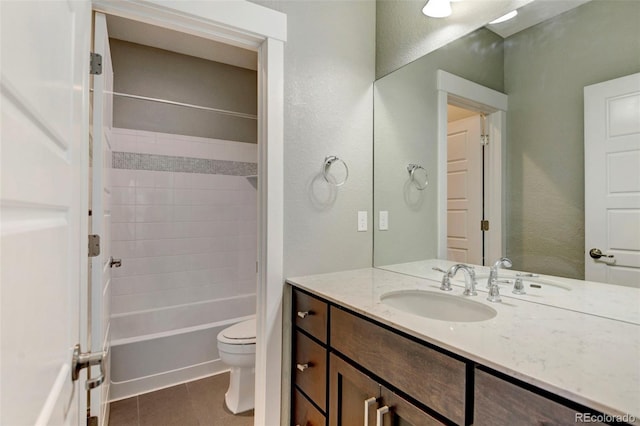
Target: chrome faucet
469,278
493,272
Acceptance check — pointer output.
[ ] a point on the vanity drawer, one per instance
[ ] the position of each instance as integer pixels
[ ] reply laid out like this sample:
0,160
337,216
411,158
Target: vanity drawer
304,413
310,366
310,315
498,402
429,376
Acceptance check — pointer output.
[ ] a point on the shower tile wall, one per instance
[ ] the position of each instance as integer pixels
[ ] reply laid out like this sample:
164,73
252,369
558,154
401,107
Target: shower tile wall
188,243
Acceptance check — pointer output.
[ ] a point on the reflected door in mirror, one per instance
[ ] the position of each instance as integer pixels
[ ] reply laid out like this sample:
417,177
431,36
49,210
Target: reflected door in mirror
464,191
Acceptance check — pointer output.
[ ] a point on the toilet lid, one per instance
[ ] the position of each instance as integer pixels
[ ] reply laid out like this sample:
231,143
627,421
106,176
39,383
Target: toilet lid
241,331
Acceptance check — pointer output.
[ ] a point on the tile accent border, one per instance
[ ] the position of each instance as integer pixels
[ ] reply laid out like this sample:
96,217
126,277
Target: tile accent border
165,163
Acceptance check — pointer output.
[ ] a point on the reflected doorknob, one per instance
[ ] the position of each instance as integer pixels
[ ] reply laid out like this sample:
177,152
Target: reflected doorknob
115,263
596,253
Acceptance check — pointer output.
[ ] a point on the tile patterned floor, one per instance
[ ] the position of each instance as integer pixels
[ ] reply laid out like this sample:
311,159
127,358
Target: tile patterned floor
198,403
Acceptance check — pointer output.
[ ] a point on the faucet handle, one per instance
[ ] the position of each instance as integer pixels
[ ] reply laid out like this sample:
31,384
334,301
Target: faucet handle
518,286
445,285
494,293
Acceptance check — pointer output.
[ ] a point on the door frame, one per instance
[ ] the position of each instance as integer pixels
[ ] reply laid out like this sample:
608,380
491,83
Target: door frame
250,26
473,96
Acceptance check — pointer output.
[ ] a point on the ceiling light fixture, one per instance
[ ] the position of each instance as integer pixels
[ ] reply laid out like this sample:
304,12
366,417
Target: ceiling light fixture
504,18
437,8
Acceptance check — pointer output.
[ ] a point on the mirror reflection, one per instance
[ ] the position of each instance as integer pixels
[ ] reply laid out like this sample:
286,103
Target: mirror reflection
543,70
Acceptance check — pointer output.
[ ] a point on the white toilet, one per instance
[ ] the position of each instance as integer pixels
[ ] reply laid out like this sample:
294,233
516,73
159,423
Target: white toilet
237,348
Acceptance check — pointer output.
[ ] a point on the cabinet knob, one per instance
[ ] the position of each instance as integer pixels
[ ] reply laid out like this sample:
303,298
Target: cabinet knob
368,403
304,314
302,367
380,412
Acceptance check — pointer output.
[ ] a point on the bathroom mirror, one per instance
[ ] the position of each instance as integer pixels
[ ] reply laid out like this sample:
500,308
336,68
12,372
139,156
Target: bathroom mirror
543,70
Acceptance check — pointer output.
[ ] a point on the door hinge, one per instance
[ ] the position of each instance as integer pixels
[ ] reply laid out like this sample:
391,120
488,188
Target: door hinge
95,63
484,225
94,245
484,140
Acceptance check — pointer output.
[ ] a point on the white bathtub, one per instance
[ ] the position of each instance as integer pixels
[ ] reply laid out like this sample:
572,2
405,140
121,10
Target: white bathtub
148,364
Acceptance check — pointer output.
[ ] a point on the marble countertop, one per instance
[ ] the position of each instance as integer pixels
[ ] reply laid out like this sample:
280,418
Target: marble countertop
589,359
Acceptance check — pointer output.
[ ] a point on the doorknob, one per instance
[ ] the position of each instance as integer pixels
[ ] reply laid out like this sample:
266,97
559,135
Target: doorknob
82,360
115,263
596,253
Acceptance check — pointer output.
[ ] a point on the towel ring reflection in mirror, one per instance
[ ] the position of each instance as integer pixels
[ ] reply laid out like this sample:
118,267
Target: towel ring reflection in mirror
328,161
421,184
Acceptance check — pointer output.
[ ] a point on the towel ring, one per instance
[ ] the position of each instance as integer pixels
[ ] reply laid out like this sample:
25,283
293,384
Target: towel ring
328,161
411,168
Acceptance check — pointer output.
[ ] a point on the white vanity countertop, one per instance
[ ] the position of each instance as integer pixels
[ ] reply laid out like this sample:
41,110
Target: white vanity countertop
588,359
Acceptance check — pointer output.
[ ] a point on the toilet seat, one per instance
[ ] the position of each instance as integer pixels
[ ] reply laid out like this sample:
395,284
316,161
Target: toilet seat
242,333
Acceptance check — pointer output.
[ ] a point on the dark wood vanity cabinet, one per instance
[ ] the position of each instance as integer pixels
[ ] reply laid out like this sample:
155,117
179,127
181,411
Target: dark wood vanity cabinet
431,377
354,395
349,391
498,402
345,364
309,359
304,412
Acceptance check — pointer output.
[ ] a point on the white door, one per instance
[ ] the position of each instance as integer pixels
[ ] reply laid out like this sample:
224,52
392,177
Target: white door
102,102
612,180
43,201
464,191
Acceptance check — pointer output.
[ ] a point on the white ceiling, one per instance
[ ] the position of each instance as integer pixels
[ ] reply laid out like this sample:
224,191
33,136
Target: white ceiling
534,13
174,41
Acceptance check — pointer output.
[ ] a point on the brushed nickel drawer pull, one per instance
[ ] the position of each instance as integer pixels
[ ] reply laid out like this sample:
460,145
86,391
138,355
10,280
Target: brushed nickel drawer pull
368,403
304,314
380,412
302,367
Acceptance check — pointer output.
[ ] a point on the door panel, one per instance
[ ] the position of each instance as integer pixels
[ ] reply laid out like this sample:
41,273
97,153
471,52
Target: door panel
43,175
102,103
349,389
612,180
464,191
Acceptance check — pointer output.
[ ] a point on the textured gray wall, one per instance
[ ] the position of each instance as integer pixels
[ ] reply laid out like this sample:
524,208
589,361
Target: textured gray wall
404,34
406,111
147,71
328,94
546,69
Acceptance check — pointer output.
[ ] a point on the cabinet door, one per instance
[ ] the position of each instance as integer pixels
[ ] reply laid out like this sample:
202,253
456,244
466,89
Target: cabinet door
350,392
500,403
397,411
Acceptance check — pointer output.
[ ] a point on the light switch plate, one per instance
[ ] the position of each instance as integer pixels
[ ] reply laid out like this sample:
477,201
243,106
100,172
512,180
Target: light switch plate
362,221
383,220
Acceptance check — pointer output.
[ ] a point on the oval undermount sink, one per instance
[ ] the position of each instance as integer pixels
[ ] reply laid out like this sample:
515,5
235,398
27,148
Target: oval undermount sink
443,307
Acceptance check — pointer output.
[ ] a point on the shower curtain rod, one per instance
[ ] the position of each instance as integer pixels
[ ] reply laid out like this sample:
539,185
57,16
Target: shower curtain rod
182,104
